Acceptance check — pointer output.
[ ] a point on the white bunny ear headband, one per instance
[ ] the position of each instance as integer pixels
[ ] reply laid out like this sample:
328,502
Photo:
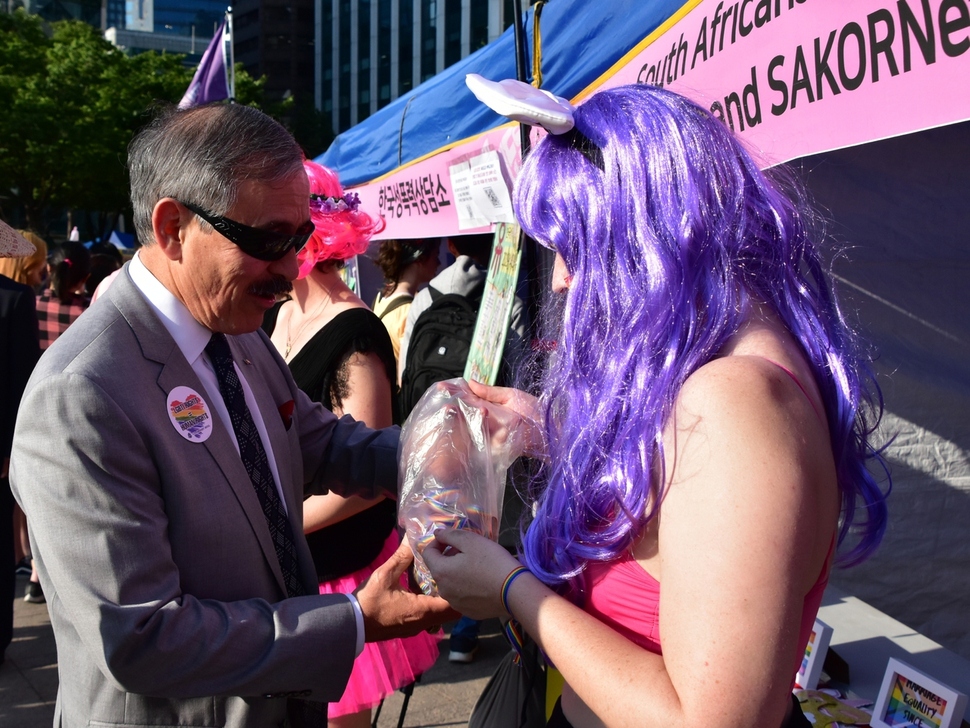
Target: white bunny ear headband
524,103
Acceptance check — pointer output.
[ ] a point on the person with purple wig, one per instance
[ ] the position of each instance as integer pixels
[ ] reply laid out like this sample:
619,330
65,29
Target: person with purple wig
706,421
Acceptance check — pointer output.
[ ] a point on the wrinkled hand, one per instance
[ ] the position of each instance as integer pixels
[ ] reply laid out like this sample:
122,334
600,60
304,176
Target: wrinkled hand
525,406
469,571
390,610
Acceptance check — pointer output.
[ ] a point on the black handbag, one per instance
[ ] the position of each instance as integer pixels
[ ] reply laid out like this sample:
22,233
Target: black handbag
515,696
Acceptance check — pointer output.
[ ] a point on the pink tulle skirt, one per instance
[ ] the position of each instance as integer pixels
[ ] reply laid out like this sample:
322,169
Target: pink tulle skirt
382,667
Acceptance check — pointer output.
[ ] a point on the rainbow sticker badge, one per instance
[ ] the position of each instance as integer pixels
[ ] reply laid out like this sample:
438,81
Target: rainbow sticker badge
189,413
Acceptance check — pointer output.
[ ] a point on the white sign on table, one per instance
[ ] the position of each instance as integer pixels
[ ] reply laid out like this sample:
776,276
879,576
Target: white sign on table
815,651
909,698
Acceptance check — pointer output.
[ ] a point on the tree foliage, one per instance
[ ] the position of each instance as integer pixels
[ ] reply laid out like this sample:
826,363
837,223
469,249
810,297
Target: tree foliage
71,103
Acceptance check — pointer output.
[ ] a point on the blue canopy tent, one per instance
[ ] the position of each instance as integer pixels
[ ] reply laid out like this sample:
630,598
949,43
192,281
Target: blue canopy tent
579,41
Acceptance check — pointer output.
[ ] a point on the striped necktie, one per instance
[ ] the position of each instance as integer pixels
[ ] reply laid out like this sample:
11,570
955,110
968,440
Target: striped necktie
257,465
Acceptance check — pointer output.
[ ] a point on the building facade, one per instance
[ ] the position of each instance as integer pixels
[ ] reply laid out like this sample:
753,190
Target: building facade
370,52
274,38
346,58
174,26
88,11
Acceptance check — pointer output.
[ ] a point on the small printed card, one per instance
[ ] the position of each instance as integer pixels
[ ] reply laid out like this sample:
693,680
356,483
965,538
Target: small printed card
469,216
489,189
909,698
814,658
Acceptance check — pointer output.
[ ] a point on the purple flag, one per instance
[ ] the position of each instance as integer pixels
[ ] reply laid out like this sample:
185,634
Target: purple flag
210,82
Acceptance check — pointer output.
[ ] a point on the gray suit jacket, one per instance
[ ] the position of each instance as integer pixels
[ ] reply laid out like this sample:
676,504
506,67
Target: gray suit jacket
164,590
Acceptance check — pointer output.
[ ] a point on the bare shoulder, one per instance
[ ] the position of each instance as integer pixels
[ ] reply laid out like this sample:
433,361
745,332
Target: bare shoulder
745,524
745,420
345,299
746,439
733,387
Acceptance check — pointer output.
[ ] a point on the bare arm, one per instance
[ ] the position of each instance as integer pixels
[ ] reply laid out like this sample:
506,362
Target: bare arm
368,401
744,530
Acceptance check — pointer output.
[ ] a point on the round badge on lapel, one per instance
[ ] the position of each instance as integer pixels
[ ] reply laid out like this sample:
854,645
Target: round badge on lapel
190,414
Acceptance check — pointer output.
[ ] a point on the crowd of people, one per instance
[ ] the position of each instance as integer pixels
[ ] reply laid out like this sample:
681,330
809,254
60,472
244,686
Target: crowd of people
61,281
209,465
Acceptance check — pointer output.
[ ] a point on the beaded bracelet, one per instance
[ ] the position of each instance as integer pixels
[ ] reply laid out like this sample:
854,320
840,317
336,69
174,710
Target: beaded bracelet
507,584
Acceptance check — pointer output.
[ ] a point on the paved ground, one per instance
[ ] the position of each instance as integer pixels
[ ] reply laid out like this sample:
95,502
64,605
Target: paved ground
28,679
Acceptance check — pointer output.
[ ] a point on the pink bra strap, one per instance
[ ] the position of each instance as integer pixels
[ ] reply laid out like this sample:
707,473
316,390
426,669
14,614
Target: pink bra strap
795,379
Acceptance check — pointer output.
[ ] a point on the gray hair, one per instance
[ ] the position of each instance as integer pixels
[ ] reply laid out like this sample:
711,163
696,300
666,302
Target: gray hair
200,155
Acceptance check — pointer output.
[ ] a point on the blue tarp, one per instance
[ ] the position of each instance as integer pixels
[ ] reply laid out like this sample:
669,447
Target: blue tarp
580,41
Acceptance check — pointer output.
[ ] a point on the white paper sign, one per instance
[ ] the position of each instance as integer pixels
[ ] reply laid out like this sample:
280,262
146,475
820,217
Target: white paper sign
489,189
909,698
469,216
818,645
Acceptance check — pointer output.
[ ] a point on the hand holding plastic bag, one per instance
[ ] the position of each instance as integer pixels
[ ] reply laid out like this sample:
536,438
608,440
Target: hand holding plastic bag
456,449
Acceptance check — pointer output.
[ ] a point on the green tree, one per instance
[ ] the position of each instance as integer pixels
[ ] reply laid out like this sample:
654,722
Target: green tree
112,99
72,102
251,91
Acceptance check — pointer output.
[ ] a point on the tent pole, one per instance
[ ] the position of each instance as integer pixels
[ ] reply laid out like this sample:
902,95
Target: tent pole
520,65
536,263
232,58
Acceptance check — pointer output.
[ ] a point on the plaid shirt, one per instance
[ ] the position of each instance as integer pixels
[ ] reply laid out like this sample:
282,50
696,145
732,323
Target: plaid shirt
54,315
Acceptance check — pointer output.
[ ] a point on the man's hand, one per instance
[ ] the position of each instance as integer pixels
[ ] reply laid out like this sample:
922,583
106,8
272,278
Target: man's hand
390,610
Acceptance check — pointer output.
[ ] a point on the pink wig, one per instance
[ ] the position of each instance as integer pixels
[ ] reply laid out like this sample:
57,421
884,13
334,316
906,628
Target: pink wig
342,231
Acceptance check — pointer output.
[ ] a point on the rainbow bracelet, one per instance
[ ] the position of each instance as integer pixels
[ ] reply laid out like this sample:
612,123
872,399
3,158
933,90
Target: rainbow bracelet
507,584
512,629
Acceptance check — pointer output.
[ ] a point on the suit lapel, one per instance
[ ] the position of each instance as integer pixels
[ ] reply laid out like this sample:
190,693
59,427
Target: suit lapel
157,345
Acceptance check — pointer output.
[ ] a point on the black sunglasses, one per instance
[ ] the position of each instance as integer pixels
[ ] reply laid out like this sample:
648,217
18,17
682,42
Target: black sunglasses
261,244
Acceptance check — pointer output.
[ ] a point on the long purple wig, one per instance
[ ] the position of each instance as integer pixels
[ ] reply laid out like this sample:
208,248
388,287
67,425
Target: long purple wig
668,238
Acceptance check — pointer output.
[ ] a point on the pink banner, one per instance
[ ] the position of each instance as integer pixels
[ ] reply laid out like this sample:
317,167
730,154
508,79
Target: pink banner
797,77
417,201
792,77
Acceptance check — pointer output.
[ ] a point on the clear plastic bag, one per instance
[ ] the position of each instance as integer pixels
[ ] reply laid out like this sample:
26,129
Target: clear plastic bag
456,449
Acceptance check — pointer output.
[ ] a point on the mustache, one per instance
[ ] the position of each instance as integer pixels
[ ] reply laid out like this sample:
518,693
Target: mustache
275,286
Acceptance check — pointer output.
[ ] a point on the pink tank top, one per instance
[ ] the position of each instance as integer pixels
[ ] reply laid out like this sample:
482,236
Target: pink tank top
621,594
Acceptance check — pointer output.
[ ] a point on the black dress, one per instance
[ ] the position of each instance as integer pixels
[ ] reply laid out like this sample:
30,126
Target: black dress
319,370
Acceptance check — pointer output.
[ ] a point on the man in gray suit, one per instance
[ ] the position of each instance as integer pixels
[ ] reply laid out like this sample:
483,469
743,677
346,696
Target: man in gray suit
163,451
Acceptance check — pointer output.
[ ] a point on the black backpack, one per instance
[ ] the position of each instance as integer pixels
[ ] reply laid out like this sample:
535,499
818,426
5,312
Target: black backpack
440,342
